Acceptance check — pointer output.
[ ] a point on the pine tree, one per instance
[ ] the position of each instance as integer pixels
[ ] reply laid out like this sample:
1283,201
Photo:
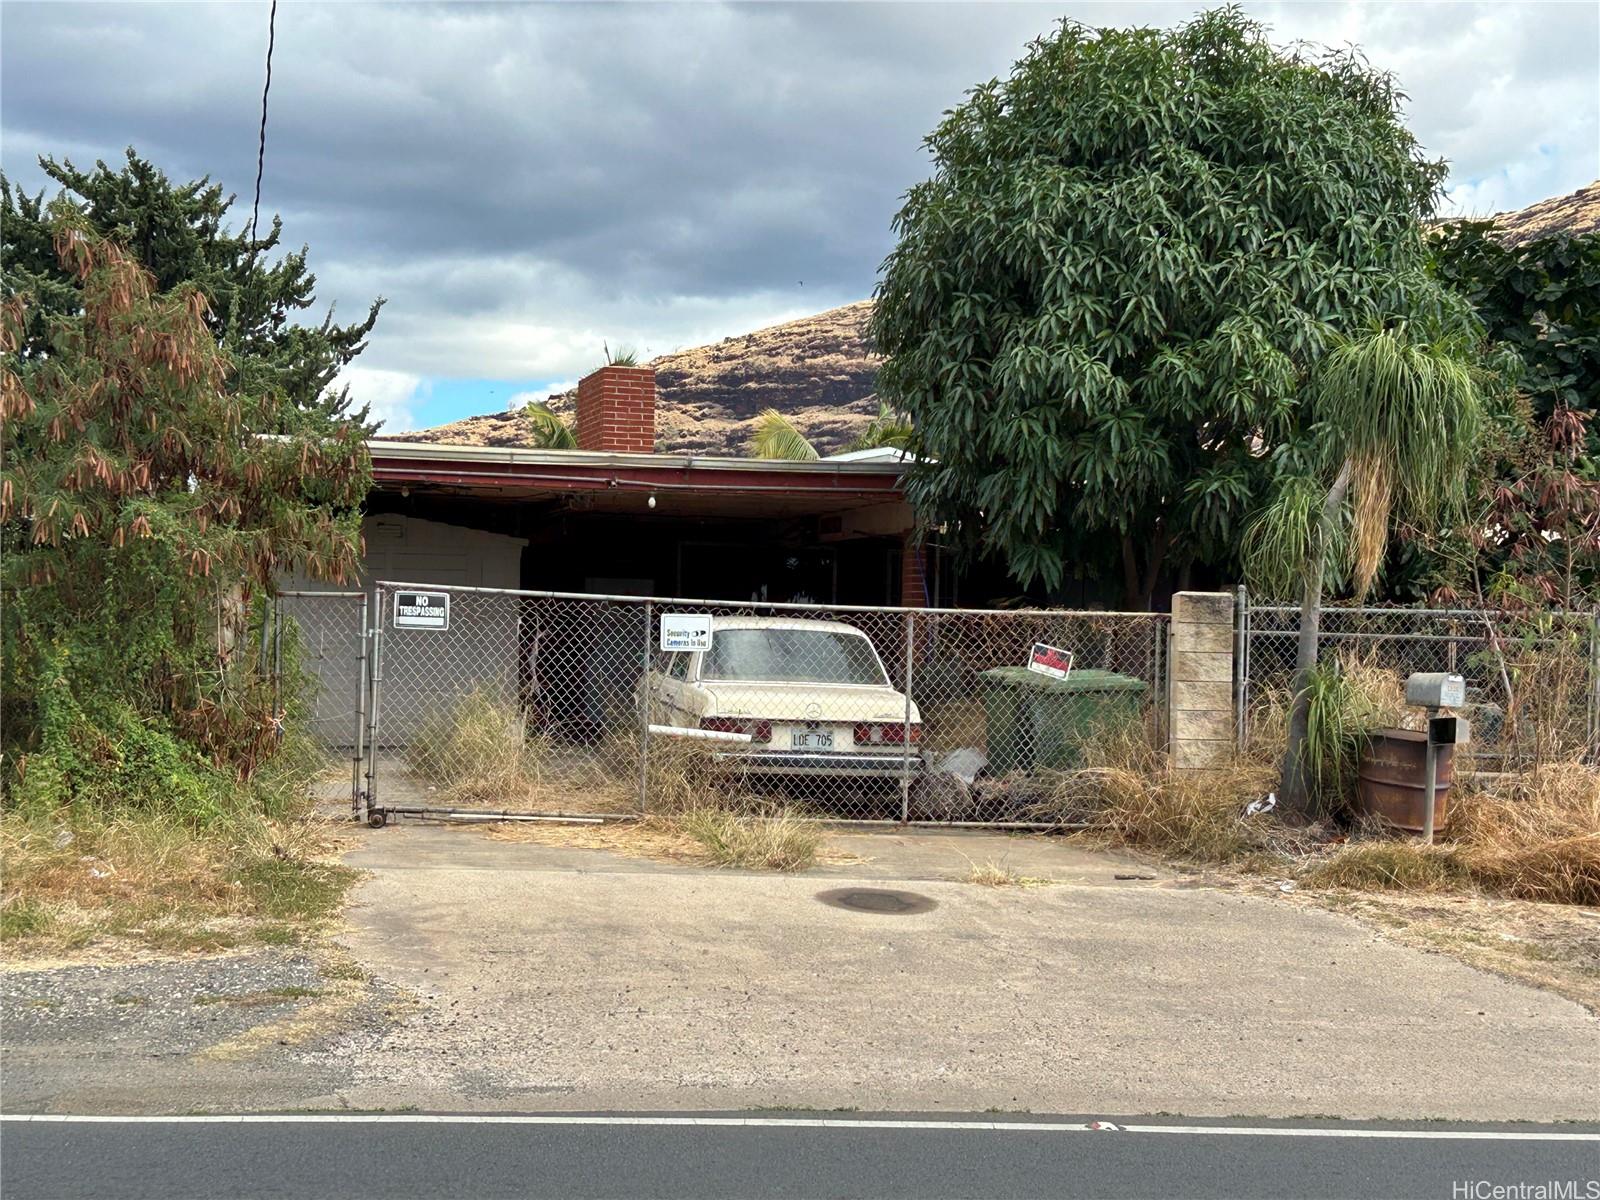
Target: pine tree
180,235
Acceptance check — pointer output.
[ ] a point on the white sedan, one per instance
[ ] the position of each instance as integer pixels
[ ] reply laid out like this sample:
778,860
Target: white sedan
811,696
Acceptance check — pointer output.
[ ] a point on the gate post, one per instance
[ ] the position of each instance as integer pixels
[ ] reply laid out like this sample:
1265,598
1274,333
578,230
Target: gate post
644,713
358,752
905,732
1202,667
1241,665
375,666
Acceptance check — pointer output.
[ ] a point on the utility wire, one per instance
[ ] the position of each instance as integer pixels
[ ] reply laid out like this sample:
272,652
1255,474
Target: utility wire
261,145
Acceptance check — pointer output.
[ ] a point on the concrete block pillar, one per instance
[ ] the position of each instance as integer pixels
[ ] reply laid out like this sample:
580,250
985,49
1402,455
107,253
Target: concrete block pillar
1202,679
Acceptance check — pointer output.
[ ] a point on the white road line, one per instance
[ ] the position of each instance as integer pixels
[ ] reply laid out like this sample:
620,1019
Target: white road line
1486,1135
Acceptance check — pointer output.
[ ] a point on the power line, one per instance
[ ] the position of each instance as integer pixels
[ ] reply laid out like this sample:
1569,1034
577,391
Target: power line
261,145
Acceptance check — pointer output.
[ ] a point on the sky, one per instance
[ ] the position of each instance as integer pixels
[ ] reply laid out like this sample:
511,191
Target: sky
526,184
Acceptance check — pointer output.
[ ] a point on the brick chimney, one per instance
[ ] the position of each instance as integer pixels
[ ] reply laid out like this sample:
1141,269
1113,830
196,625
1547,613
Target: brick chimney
617,410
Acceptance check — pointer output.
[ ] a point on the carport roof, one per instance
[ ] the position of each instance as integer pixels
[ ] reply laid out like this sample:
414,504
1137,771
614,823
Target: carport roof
704,483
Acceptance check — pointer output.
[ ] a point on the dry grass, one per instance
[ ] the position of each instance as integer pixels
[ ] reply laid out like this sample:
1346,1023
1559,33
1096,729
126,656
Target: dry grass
476,751
682,777
669,839
142,882
1389,865
783,842
1530,837
659,838
1127,795
996,874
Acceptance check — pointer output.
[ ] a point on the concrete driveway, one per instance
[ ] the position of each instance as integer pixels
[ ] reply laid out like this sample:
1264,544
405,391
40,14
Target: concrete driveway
555,978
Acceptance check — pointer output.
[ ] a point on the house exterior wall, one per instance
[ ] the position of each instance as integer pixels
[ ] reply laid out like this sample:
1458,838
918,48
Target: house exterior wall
409,550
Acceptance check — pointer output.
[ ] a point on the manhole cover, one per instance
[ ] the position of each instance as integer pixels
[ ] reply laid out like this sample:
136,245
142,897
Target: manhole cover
877,900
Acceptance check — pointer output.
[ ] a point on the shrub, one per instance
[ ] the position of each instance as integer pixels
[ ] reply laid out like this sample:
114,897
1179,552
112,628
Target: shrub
1350,698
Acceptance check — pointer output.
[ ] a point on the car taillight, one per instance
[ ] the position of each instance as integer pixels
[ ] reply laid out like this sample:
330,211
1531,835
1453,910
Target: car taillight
886,734
759,731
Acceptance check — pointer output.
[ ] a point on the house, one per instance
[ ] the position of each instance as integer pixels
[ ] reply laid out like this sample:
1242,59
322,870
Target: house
616,517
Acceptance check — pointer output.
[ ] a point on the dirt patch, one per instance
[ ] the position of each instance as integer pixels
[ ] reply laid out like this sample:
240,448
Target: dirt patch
1551,946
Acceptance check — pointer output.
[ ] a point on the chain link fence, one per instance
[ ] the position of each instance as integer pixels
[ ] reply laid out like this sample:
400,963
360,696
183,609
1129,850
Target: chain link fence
487,702
318,653
1533,679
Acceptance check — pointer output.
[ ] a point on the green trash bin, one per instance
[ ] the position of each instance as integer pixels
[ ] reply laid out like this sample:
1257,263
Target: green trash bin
1035,720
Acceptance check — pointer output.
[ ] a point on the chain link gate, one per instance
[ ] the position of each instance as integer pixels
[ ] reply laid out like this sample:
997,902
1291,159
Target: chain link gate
319,649
488,704
1533,678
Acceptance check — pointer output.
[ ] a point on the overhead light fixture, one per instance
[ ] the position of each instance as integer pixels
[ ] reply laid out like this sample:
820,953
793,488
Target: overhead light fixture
652,501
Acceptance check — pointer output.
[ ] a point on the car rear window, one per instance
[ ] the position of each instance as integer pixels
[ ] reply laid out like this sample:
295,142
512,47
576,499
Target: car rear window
792,656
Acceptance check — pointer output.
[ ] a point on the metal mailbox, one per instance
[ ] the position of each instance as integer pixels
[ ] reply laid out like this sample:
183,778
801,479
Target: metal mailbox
1429,689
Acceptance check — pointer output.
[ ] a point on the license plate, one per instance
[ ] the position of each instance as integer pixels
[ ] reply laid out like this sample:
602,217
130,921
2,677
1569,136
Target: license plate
811,739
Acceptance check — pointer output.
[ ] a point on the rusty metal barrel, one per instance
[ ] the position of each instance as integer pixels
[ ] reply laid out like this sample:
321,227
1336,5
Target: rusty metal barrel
1391,782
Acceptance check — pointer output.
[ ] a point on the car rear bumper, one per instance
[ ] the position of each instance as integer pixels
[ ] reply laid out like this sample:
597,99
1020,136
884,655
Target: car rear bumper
821,762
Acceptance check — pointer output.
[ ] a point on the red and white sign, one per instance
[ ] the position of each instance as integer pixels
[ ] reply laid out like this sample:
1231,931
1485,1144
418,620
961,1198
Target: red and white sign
1050,660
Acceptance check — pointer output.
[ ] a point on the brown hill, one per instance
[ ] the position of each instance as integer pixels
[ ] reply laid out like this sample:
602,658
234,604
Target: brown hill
818,371
1575,213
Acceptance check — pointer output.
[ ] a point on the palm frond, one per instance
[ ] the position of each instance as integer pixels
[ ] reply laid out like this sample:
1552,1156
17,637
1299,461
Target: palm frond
888,428
777,438
1407,414
547,430
1281,543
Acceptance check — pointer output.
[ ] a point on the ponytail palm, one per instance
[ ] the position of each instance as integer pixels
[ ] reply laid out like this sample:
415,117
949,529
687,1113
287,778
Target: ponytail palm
1401,418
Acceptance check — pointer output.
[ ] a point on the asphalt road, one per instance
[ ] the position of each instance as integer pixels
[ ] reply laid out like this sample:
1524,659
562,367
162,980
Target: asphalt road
769,1155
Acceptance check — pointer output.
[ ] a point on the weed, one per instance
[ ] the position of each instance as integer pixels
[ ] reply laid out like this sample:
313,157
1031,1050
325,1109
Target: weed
993,874
783,842
990,873
342,969
1128,795
144,878
129,998
476,750
1349,698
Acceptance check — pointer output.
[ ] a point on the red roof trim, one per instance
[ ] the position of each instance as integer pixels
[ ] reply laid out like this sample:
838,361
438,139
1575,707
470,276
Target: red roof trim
545,476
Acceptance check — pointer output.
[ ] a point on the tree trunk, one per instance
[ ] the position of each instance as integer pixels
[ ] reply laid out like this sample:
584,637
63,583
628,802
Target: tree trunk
1295,792
1139,587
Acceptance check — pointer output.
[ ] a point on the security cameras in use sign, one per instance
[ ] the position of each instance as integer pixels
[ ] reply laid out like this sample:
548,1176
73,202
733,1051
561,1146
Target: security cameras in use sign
422,610
685,631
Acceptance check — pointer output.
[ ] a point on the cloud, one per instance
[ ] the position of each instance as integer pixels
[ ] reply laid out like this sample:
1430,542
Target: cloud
526,182
392,396
540,395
